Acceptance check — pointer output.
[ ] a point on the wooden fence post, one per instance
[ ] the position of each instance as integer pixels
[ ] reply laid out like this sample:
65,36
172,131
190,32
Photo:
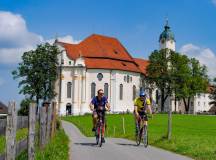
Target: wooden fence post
31,132
11,132
49,119
123,125
53,119
43,118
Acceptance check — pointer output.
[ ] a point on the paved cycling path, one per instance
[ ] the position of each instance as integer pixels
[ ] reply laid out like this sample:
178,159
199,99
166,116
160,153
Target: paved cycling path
84,148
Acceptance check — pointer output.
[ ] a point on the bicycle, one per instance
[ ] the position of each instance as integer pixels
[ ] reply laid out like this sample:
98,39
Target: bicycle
142,134
100,126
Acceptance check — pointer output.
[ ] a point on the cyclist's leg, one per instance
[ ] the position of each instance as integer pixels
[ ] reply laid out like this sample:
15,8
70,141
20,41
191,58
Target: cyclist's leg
136,123
103,129
145,119
94,120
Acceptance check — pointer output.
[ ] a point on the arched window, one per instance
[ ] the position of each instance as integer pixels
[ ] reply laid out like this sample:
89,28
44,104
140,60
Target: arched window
134,92
121,91
128,78
93,88
157,96
69,89
106,87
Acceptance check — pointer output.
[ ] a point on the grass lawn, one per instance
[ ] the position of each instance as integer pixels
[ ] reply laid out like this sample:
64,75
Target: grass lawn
194,136
56,149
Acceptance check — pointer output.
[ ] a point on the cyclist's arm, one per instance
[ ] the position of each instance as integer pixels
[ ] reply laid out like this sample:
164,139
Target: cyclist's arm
149,109
91,106
136,111
107,106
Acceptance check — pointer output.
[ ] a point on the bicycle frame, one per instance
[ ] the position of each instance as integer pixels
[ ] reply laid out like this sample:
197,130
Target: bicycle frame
100,129
142,132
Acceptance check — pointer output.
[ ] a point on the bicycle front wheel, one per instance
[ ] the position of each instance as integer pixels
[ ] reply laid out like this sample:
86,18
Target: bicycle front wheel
145,136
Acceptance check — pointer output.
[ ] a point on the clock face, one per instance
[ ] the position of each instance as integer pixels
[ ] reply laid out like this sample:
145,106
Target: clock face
100,76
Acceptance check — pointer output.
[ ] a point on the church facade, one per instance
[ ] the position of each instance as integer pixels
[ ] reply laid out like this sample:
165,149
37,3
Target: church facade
102,62
98,62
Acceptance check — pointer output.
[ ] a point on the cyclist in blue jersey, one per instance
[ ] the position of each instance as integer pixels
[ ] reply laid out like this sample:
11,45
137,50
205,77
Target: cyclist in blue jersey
99,101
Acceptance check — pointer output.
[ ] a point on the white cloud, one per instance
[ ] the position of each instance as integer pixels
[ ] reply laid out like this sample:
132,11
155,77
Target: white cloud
214,2
66,39
16,39
205,55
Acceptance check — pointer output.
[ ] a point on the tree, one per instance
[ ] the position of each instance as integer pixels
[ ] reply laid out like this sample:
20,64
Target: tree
176,75
38,72
24,107
212,95
158,74
193,82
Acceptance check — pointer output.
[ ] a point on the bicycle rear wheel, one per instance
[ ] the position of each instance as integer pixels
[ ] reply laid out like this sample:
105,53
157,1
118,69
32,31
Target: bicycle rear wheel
138,137
100,137
145,136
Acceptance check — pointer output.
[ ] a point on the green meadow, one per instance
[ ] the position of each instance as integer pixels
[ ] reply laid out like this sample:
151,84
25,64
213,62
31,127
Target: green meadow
194,136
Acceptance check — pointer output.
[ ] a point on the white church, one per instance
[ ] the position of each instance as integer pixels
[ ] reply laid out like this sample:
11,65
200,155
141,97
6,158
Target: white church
103,62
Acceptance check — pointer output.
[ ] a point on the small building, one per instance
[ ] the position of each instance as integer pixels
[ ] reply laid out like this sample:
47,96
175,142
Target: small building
3,109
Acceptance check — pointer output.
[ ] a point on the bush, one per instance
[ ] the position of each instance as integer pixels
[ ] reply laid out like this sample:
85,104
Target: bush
58,124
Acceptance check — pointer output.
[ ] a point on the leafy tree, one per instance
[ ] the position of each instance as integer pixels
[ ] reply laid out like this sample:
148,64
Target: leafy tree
38,72
24,107
213,94
158,73
193,83
176,74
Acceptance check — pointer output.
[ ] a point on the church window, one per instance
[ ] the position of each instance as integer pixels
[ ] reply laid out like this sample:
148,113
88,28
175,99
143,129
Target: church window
69,62
121,92
69,89
115,51
100,76
62,61
128,78
125,78
157,96
93,88
106,87
134,92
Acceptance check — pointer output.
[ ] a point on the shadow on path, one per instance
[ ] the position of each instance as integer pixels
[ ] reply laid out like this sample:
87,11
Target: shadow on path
86,144
127,144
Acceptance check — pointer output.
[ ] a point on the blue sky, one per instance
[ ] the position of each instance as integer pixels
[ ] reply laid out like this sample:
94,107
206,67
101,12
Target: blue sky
136,23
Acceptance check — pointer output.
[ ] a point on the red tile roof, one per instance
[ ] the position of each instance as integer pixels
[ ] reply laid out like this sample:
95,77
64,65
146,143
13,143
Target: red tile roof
104,52
102,63
142,64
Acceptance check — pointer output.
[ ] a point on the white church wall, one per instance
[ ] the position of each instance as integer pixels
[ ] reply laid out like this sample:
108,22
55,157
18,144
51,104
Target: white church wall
127,101
201,102
91,76
66,77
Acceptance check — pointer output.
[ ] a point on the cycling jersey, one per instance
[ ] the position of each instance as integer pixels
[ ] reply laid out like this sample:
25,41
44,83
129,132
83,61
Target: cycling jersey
141,105
96,102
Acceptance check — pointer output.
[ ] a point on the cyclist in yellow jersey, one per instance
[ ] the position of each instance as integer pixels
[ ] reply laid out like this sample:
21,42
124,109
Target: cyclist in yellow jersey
142,105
